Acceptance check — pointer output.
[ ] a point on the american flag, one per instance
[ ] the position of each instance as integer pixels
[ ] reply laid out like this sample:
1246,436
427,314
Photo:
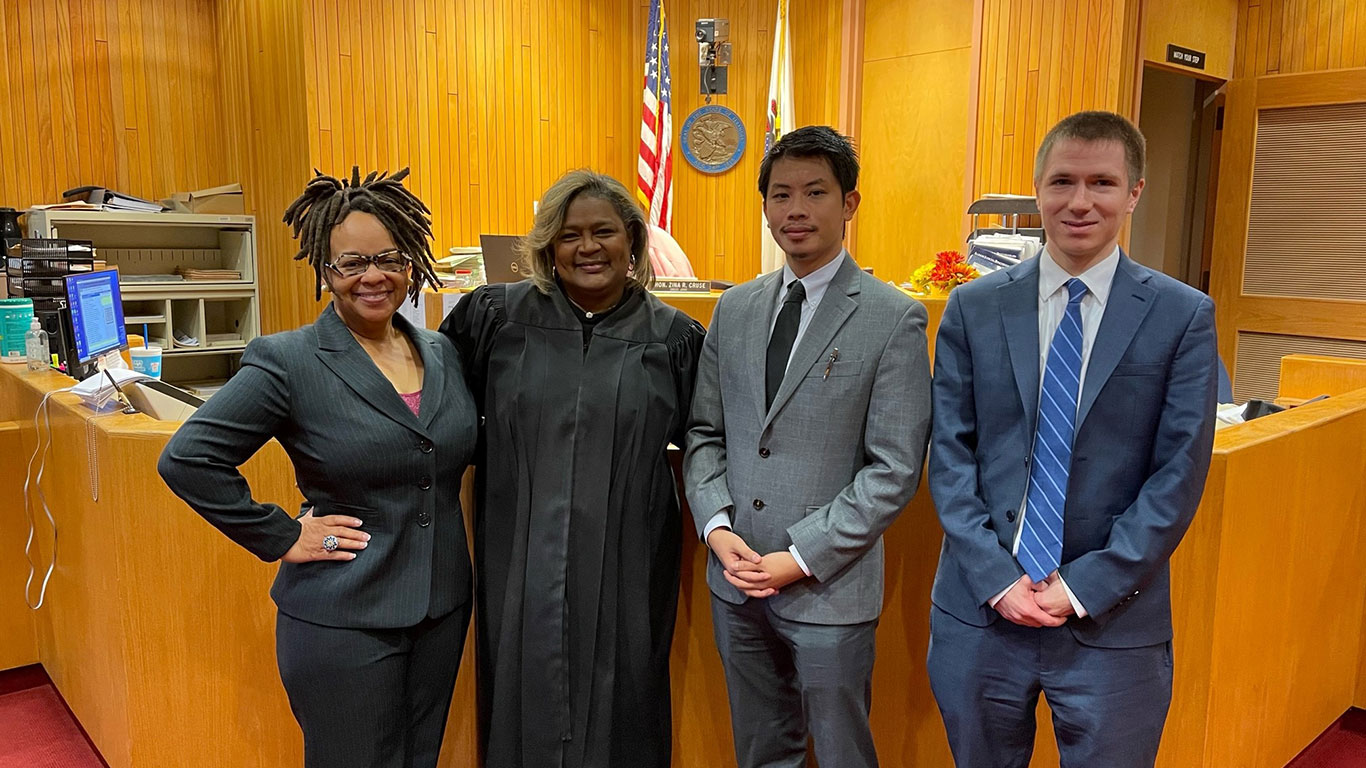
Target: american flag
655,176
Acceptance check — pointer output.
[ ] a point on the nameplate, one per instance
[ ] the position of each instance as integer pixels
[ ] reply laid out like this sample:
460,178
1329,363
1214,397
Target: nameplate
679,285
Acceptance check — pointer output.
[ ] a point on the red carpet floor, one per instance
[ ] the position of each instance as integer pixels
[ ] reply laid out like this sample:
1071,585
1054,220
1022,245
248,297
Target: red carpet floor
39,731
1343,745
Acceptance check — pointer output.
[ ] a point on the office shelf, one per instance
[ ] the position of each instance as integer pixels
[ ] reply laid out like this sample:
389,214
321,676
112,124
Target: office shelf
147,244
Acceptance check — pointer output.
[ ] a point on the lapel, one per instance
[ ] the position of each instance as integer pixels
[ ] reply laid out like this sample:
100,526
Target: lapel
343,355
433,371
758,317
835,307
1130,300
1019,303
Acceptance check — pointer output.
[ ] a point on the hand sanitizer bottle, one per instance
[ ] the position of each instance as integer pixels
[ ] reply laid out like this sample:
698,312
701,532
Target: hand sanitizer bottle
36,346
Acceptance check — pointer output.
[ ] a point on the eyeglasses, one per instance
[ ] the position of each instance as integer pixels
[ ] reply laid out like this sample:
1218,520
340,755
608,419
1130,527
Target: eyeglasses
354,264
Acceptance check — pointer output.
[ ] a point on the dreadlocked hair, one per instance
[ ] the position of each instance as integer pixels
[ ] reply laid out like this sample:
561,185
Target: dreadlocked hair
326,202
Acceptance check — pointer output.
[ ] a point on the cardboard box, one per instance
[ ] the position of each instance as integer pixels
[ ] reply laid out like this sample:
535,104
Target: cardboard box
226,199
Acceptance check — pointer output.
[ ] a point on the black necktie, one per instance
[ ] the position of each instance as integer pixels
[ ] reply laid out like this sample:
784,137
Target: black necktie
780,343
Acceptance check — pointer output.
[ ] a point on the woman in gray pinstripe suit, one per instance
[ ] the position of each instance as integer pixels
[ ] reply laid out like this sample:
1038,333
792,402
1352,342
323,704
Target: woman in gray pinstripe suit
374,589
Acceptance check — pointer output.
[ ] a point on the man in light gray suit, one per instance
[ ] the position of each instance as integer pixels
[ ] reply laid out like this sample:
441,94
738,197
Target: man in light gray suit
809,426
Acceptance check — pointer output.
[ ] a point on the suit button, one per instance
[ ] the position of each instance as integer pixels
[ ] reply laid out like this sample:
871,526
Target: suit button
758,503
424,483
763,453
424,519
425,445
1010,515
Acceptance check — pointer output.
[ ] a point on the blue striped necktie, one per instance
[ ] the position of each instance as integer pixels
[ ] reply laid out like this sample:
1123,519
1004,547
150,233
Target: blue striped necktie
1040,550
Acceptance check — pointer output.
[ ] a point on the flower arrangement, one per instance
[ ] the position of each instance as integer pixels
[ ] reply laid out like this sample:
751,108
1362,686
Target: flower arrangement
948,271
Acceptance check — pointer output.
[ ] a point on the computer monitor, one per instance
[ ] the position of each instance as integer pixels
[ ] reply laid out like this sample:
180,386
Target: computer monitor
501,264
96,315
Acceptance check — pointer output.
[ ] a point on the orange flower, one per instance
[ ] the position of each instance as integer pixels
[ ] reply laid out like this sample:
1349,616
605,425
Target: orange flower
948,270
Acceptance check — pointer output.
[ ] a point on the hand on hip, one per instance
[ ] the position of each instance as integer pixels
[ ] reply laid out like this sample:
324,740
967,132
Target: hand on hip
326,538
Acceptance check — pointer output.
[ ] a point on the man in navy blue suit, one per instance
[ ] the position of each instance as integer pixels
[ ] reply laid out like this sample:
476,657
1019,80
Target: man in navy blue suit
1074,399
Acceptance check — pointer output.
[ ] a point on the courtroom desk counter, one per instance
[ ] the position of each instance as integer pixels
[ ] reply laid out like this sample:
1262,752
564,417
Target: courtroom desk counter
1308,376
698,306
18,630
159,631
1260,669
1268,589
1304,377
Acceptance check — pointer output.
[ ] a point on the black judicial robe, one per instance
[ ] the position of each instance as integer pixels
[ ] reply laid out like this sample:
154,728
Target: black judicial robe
577,524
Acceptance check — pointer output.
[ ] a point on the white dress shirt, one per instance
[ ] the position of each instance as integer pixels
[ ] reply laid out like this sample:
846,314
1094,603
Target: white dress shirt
1052,307
815,285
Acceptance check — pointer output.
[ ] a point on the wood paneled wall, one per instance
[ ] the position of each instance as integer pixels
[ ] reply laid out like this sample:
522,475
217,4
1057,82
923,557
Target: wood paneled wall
1040,61
260,47
1289,53
1202,25
1313,318
917,72
488,101
120,93
1288,36
491,101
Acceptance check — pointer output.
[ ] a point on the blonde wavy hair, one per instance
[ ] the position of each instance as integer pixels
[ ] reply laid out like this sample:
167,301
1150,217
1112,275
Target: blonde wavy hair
537,249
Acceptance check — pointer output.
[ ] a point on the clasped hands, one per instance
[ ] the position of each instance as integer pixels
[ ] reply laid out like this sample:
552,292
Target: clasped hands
753,574
1036,604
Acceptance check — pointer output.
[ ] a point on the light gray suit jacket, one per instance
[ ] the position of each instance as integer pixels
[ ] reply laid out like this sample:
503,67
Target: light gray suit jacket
832,463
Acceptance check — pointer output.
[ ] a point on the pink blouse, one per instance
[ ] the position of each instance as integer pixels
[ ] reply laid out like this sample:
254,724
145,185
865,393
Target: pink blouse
413,400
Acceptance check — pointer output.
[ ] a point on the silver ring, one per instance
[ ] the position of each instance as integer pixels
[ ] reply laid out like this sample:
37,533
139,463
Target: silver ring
330,543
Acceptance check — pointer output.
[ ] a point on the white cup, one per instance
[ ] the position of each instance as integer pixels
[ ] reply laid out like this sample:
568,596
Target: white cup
147,360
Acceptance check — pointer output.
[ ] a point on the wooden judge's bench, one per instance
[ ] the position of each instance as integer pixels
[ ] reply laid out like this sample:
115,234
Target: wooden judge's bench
159,632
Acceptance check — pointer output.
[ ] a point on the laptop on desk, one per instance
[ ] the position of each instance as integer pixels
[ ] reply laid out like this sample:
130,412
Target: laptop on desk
501,264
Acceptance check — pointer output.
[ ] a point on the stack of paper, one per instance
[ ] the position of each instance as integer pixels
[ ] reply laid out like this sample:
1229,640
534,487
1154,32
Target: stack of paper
149,278
215,275
999,251
223,339
202,388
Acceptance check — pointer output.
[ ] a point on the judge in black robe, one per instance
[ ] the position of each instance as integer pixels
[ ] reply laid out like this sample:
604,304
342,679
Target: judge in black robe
577,523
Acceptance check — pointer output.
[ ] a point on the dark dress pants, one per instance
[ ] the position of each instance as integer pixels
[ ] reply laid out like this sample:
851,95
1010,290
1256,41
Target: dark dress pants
789,679
1108,704
371,698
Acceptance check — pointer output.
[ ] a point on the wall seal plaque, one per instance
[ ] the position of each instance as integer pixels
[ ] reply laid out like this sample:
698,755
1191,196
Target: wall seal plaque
713,139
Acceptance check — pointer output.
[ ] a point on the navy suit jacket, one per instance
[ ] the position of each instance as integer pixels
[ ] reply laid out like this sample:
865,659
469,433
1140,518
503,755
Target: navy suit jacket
1145,429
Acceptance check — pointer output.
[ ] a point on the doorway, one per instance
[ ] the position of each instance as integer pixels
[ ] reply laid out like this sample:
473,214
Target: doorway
1182,119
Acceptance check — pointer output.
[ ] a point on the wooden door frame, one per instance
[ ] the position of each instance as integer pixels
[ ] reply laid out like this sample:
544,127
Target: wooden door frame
1236,311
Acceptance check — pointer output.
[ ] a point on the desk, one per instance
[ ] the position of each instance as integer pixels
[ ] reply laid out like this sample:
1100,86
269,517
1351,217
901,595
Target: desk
1268,589
698,306
1307,376
159,631
18,629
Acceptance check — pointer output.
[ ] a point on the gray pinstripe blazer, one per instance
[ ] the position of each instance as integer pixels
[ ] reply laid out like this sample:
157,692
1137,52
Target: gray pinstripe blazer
357,450
831,464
